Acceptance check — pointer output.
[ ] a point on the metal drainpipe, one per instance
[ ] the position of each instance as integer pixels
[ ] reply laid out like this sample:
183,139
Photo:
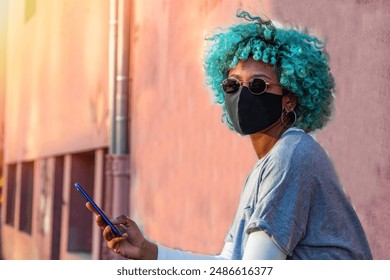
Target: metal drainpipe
117,166
112,56
120,158
116,197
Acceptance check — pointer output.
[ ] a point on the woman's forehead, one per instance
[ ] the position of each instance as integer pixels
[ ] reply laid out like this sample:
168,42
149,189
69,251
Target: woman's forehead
252,66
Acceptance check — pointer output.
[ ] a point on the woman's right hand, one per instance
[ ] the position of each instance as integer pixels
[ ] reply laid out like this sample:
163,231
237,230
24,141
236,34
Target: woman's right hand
132,244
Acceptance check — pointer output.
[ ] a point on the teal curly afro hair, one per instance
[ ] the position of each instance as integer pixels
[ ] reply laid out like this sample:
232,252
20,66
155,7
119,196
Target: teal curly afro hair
299,59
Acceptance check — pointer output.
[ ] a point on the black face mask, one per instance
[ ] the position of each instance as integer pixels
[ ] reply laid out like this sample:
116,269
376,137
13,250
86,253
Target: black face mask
251,113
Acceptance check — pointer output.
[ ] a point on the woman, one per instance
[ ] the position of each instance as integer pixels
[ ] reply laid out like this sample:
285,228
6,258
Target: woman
274,84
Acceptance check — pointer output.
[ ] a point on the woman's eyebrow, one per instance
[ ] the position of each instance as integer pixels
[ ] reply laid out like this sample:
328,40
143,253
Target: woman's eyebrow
237,76
261,75
234,76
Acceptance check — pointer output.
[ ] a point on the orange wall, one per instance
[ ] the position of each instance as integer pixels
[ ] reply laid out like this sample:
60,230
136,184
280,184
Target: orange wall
56,83
56,78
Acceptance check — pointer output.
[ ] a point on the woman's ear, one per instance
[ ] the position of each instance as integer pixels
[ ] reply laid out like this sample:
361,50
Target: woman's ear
289,102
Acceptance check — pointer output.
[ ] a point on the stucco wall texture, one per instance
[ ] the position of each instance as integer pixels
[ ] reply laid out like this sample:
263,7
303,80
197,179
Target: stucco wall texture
56,78
358,138
188,168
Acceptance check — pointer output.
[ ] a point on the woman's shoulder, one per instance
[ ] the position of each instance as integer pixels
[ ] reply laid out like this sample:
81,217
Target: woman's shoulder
296,146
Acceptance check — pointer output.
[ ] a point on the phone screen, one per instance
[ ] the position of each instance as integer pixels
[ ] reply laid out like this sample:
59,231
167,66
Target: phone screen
101,213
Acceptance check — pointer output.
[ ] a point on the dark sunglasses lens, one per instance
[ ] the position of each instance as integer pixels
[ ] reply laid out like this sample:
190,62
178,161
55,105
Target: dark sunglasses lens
230,86
257,86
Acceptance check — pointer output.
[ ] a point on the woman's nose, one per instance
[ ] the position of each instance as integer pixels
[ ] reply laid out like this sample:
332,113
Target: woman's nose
245,83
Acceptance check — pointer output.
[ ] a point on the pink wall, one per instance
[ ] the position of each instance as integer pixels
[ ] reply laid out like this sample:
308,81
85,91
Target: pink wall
358,138
188,168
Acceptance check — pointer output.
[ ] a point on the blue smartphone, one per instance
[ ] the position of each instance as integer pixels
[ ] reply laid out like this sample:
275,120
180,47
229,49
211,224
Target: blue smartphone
114,230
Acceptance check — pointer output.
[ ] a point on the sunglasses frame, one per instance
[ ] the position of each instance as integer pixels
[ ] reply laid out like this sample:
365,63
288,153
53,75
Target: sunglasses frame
249,85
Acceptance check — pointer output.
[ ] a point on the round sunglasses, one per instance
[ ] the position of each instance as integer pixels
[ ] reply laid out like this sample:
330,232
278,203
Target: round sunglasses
257,86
